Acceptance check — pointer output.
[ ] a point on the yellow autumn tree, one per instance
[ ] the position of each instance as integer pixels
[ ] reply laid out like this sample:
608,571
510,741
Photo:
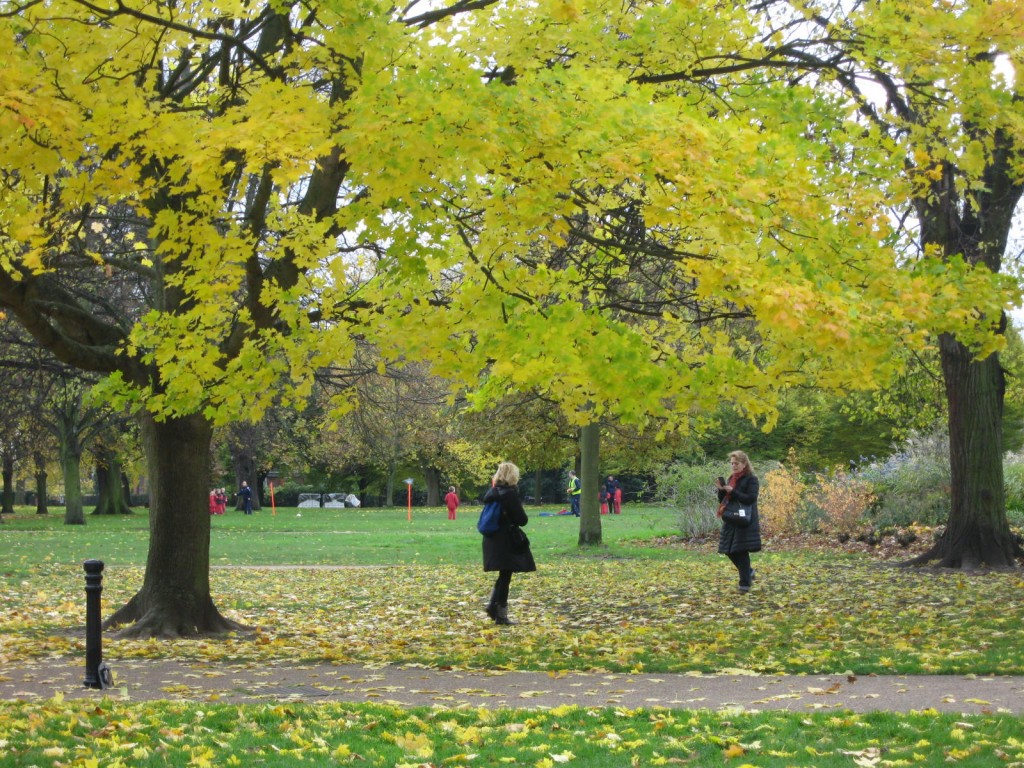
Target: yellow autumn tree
938,87
208,202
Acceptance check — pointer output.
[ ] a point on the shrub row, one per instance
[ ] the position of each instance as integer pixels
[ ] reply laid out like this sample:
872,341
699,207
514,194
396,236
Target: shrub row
908,490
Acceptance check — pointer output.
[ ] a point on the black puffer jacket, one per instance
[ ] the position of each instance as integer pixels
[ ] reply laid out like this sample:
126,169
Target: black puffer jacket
733,538
498,552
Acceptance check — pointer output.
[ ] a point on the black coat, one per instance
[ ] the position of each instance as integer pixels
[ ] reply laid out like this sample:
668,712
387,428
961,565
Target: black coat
498,552
733,538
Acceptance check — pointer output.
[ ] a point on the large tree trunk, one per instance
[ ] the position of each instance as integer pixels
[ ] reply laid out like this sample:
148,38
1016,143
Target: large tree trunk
40,461
590,507
978,532
70,463
175,596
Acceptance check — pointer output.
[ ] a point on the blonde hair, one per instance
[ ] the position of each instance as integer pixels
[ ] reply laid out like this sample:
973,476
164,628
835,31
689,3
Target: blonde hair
507,474
742,458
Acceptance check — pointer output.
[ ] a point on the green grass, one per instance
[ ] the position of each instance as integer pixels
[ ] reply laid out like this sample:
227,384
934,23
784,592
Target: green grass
112,733
319,537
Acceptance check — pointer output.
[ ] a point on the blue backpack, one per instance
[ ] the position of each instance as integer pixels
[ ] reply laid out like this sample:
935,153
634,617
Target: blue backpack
490,518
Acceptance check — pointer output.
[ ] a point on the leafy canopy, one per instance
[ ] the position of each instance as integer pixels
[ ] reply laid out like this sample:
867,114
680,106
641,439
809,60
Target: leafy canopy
512,189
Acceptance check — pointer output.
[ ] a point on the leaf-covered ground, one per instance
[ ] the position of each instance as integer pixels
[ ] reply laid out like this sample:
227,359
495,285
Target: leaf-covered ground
116,735
805,614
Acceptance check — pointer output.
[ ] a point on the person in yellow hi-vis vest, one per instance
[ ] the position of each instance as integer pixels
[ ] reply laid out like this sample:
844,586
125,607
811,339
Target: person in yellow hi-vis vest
574,492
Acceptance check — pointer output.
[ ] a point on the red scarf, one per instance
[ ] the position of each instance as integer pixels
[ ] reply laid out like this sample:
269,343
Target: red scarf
733,479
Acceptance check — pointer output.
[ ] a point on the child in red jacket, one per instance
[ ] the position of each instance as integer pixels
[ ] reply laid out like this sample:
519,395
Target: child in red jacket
452,502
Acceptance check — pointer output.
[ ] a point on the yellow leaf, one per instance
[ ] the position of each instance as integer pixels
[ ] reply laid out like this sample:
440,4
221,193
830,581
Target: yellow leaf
415,743
734,750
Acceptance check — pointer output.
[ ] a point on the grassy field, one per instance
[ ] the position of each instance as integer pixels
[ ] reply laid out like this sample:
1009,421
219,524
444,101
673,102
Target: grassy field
317,536
377,588
115,734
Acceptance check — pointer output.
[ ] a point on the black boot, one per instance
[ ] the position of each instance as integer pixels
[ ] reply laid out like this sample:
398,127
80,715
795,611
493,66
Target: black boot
492,606
502,617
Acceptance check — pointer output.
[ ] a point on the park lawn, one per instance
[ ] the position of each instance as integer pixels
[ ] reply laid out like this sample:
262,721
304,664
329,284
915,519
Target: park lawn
293,536
117,734
623,607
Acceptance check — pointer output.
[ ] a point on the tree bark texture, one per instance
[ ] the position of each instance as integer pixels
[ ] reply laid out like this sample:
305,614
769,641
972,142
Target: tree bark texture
977,533
175,598
590,508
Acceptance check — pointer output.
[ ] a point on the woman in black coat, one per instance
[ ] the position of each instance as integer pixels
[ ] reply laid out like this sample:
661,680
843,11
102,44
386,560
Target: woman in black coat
502,552
736,494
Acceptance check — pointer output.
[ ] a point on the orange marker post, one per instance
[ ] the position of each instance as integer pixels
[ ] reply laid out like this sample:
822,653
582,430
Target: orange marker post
273,506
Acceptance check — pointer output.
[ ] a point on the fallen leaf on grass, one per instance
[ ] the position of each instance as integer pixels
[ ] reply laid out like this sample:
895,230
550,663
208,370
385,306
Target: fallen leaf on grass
734,750
809,623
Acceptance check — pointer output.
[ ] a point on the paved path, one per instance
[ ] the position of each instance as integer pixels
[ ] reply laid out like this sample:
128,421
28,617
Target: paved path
144,680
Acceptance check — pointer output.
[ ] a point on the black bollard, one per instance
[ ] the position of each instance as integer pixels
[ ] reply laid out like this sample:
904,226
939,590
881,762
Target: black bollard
93,626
